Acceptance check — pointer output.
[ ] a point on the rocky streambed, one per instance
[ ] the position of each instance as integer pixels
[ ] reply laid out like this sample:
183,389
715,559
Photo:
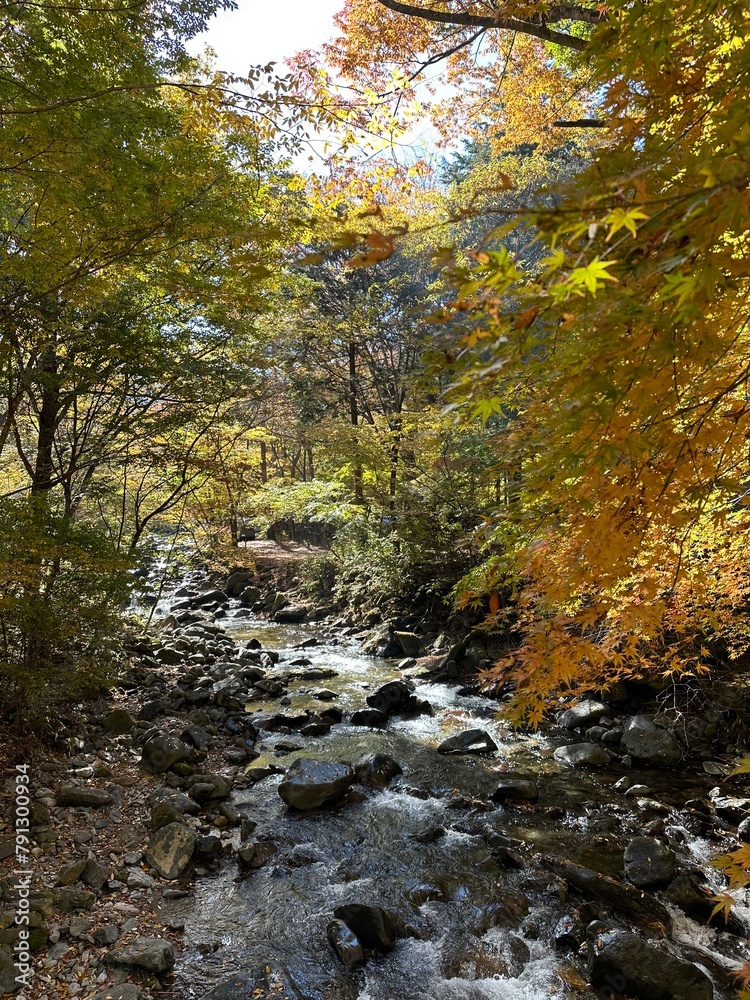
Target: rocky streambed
266,811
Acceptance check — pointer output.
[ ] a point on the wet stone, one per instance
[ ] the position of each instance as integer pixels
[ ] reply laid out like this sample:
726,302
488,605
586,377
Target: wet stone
377,770
309,783
346,944
624,962
372,925
474,741
518,789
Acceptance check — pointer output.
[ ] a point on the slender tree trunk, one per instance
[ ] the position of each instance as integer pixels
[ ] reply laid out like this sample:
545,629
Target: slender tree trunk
48,414
359,493
263,462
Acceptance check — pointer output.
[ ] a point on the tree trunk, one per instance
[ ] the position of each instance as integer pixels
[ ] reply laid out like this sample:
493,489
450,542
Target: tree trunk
48,414
359,493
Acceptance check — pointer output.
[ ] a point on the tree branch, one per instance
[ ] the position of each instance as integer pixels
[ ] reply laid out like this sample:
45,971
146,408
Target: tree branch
566,12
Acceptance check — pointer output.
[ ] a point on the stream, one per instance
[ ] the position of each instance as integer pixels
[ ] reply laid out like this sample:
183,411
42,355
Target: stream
480,930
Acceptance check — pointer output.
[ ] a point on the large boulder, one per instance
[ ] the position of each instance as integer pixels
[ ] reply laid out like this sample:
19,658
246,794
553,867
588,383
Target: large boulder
584,714
269,982
624,963
150,954
582,755
374,927
649,863
471,741
646,742
309,784
170,849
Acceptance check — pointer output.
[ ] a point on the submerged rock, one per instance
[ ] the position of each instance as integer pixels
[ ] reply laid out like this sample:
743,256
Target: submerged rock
471,741
624,963
309,783
269,982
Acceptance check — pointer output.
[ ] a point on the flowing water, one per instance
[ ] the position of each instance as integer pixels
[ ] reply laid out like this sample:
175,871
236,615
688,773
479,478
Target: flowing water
366,852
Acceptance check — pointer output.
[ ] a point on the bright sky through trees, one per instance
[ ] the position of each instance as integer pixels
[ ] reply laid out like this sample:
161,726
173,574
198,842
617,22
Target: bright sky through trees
260,32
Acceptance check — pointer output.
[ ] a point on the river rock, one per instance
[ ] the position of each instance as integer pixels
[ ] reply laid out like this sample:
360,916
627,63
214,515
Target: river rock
122,991
471,741
170,849
150,954
743,830
106,935
161,752
518,789
411,644
292,615
698,902
346,944
377,770
238,581
309,783
645,742
78,795
398,698
256,853
582,755
584,714
370,717
624,898
372,925
624,963
269,982
649,863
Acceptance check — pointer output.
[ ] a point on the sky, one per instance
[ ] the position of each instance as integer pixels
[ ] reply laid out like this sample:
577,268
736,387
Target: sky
259,32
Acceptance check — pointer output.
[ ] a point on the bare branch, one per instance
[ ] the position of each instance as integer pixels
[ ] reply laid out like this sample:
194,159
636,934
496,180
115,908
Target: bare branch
566,12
